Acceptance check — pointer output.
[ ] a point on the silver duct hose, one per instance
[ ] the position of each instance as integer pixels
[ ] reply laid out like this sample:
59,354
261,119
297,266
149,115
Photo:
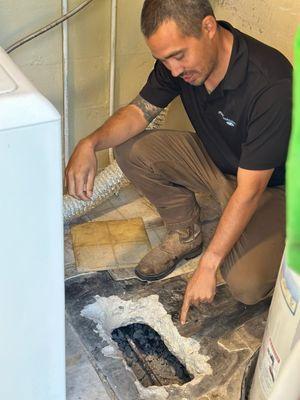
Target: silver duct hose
107,182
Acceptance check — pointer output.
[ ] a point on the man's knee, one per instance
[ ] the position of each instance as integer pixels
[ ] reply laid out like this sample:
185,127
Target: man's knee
135,149
251,276
248,285
250,294
248,298
150,146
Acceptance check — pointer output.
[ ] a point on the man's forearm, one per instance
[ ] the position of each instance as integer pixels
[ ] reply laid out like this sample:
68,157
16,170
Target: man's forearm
124,124
233,222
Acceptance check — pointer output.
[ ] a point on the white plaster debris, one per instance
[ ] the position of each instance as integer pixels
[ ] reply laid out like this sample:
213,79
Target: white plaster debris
152,392
112,312
110,351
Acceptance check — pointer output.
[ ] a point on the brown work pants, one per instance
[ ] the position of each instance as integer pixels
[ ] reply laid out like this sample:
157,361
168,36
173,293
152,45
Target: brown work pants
169,167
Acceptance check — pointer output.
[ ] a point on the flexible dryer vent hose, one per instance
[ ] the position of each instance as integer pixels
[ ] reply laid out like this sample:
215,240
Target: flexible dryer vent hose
107,182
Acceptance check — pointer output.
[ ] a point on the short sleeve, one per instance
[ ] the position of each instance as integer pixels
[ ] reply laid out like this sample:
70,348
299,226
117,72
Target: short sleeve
161,87
269,128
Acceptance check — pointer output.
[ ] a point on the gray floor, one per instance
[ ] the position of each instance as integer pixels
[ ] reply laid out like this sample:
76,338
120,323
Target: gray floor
83,383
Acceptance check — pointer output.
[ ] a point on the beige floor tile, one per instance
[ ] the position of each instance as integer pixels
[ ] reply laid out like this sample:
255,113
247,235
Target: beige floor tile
102,245
94,258
90,234
127,253
127,232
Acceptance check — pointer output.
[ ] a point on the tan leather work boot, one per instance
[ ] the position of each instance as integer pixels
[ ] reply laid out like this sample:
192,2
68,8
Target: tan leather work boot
162,260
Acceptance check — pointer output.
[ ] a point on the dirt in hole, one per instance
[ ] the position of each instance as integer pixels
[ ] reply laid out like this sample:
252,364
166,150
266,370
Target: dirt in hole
148,356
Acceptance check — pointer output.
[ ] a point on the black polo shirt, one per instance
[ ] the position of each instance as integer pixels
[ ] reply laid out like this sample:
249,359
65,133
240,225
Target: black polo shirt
246,121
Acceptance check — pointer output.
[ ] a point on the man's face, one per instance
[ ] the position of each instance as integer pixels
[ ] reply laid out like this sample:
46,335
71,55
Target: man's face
191,58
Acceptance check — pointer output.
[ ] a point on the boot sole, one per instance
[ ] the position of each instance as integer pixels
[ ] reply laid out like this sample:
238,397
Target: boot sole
163,274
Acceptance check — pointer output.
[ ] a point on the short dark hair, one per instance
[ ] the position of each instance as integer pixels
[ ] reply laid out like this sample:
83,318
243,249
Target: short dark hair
188,15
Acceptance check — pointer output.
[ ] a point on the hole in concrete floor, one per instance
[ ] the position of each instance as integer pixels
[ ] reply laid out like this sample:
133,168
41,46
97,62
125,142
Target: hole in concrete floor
148,356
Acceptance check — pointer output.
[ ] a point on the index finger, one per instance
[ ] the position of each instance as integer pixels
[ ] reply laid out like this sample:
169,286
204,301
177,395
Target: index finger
184,310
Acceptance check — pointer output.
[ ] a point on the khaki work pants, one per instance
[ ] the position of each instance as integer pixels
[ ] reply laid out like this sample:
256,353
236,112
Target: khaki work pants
169,167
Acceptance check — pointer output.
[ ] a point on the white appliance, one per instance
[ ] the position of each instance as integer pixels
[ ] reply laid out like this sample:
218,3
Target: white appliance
281,335
32,346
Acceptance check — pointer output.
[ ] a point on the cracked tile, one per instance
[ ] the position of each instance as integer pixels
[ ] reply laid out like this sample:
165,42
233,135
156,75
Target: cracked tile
252,331
232,341
122,274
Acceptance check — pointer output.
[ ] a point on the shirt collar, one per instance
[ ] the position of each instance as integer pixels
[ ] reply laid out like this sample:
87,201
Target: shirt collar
238,64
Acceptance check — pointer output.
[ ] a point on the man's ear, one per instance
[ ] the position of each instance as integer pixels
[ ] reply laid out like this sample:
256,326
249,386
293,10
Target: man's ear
209,26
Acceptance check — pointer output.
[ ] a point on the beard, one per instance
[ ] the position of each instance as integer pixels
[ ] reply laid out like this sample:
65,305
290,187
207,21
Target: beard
199,78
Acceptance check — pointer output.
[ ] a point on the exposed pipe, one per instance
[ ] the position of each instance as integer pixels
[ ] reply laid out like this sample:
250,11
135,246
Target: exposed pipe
143,362
112,57
66,146
47,27
113,39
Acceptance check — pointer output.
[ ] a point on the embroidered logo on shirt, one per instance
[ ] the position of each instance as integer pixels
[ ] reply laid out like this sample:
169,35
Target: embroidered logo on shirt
228,121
